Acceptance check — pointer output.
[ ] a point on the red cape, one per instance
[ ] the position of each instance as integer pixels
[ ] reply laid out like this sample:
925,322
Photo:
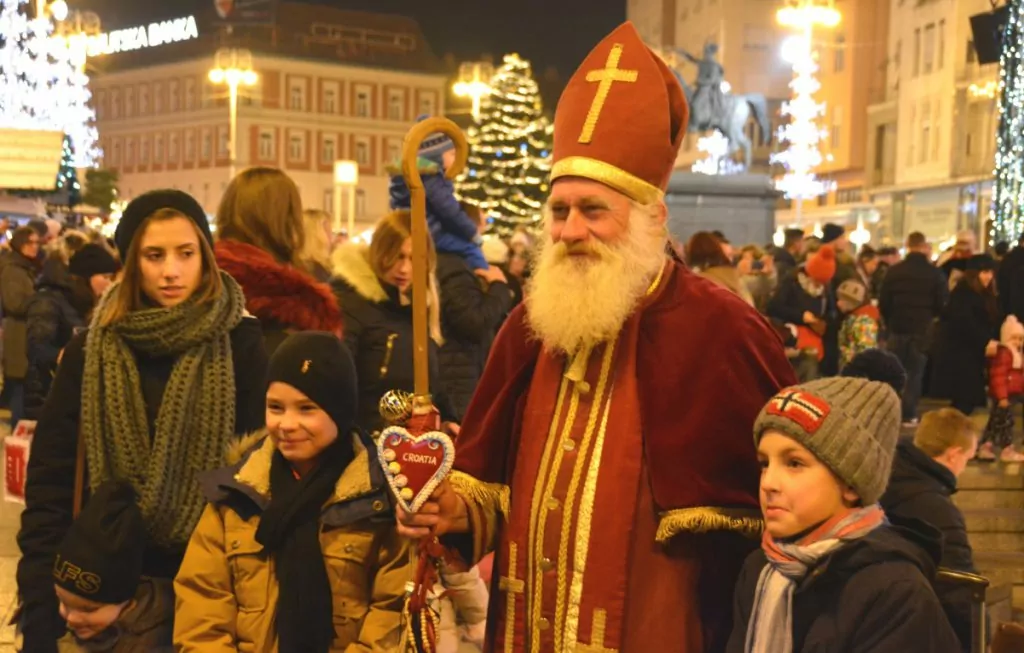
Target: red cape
706,364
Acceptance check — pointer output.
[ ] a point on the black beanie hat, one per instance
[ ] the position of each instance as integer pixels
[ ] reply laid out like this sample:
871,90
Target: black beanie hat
149,203
100,558
831,232
319,365
92,259
878,365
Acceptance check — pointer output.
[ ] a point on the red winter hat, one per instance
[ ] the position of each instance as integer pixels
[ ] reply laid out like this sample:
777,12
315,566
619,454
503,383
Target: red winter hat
821,266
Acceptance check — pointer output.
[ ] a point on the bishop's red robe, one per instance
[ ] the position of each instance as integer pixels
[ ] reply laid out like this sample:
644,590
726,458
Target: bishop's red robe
616,486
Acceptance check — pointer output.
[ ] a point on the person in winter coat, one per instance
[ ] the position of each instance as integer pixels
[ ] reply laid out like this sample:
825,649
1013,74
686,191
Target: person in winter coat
260,243
921,487
859,329
1006,388
17,286
453,230
107,603
169,370
912,297
786,257
60,307
832,574
968,327
804,302
373,285
295,550
705,256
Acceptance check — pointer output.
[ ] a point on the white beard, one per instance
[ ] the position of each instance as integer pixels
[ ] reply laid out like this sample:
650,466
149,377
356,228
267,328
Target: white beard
574,301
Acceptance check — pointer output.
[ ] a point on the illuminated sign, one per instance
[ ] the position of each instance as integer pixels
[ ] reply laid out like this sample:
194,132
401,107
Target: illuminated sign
136,38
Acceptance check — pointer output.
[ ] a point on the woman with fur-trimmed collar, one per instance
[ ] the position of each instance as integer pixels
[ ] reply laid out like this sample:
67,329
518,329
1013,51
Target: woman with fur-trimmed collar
296,550
372,284
260,242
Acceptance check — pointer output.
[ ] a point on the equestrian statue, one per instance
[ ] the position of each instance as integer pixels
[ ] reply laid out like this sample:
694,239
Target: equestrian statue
712,108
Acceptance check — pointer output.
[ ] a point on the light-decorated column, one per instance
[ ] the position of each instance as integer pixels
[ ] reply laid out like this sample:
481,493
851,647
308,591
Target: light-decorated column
1008,194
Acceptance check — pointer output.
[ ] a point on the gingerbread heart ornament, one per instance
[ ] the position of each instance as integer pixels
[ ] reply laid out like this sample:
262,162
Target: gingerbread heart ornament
414,464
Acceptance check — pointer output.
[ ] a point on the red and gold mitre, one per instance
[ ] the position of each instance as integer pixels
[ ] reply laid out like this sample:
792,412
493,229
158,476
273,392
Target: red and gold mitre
621,119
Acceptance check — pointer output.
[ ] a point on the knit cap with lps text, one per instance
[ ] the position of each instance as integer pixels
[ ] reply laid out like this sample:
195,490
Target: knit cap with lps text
849,424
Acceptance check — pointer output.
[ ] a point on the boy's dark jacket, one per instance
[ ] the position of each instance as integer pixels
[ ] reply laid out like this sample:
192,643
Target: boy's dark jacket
922,489
872,595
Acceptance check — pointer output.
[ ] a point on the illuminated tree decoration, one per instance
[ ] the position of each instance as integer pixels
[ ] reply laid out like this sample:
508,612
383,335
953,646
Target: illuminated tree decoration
1008,194
69,190
717,161
40,87
802,133
509,151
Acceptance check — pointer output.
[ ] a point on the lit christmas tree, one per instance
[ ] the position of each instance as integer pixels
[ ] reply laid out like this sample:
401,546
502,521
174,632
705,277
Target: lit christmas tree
509,151
1007,209
40,87
69,189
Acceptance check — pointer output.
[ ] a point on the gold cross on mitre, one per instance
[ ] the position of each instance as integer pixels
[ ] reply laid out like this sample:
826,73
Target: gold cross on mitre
596,644
605,77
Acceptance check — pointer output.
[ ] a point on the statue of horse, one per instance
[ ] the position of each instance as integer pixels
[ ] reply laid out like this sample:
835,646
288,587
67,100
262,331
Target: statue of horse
732,121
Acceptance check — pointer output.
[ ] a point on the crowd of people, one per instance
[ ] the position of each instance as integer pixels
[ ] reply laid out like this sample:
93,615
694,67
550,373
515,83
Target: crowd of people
204,473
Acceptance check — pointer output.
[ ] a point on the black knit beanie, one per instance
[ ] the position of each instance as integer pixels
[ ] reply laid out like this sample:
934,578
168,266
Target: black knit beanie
100,558
149,203
878,365
92,259
319,365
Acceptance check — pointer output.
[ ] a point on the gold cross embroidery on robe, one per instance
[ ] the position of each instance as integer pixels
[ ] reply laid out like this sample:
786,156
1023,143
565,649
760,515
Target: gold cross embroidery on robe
605,77
511,586
596,644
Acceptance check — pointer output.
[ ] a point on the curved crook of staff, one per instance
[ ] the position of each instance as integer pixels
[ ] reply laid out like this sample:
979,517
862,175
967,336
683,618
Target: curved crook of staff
420,282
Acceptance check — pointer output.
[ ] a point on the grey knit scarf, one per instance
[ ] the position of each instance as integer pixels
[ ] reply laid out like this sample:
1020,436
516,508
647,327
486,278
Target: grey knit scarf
196,416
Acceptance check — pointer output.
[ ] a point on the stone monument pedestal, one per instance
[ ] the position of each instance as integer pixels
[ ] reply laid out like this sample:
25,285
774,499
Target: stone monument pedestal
740,206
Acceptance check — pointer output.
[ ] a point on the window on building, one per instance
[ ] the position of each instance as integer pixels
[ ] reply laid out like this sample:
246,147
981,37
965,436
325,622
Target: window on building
117,152
222,142
143,99
207,145
972,56
172,148
926,135
967,144
158,149
190,146
936,133
330,101
190,94
129,102
837,126
296,148
144,151
158,97
428,104
100,102
129,158
394,152
928,55
266,145
115,104
941,54
328,153
396,105
360,202
839,60
362,152
297,95
917,52
173,96
362,103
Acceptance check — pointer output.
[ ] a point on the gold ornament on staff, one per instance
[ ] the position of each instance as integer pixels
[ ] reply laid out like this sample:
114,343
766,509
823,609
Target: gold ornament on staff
420,272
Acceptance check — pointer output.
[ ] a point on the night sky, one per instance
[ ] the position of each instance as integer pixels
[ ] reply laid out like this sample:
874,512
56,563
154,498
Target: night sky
556,33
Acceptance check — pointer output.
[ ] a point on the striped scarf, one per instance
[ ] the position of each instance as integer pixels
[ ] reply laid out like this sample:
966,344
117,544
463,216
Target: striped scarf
770,629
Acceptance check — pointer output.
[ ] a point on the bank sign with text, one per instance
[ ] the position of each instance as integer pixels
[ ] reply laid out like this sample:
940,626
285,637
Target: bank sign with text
138,37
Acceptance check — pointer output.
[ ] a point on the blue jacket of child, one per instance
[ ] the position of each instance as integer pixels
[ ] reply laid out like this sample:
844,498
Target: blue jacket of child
453,231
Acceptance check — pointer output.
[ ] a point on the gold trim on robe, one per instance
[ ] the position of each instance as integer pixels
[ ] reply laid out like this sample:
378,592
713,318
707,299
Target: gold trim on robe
746,521
488,504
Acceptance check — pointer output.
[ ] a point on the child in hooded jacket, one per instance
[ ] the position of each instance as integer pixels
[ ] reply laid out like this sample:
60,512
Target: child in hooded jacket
453,231
1006,388
859,329
832,574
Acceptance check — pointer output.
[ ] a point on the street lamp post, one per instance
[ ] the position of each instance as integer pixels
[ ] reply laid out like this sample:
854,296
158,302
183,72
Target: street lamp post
234,68
346,175
474,83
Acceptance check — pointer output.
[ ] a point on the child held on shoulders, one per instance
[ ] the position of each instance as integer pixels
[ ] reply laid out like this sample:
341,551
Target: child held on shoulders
1006,387
453,231
107,604
859,330
832,574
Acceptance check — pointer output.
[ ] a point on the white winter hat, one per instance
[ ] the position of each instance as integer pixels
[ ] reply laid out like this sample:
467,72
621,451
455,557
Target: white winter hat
495,250
1011,327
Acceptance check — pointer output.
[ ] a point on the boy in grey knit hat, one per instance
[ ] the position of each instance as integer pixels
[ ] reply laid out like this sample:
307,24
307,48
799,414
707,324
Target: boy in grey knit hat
826,449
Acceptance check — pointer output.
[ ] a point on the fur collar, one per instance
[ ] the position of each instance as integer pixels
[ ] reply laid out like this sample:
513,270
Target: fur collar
351,263
279,294
354,482
809,285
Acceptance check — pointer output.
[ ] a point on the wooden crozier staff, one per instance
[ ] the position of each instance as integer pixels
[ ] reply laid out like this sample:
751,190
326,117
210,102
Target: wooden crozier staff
416,457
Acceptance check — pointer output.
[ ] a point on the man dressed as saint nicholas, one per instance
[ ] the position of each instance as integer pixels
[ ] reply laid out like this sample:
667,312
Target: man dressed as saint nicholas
607,458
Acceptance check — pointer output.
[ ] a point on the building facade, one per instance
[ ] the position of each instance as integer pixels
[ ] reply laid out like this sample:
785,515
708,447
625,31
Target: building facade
333,85
931,139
